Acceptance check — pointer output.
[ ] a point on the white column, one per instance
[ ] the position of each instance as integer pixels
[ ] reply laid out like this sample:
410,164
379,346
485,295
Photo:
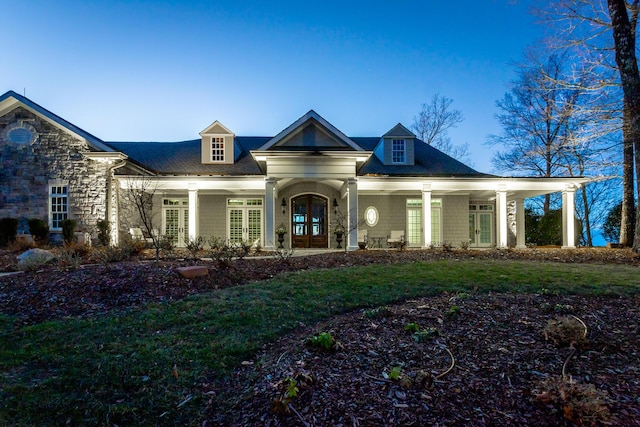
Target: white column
192,232
352,206
426,215
501,217
568,221
521,241
269,214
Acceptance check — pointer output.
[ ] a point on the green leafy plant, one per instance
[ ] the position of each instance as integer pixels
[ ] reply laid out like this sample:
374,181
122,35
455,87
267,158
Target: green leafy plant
394,373
563,308
323,340
68,230
426,335
39,230
411,327
292,387
377,312
453,311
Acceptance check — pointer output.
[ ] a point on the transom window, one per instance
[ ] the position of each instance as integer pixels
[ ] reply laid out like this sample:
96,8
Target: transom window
217,149
58,205
398,151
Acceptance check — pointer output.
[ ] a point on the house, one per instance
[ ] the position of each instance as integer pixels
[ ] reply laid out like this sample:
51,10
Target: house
241,188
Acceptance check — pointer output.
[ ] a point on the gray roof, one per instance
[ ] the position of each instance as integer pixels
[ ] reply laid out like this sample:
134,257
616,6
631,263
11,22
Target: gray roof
184,158
429,161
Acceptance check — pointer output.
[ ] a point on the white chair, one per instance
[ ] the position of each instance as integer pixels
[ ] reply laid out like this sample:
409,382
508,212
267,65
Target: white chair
137,234
396,238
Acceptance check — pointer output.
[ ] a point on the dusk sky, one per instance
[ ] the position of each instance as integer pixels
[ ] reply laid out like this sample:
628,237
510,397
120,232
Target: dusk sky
165,70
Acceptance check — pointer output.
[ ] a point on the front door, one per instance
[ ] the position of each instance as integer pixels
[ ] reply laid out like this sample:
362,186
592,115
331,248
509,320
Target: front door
480,230
309,222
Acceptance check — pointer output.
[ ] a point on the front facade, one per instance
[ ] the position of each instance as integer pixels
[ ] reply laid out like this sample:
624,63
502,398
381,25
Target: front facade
310,178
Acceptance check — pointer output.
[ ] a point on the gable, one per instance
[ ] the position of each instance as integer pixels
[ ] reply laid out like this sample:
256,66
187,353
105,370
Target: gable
216,128
10,100
399,131
311,136
311,132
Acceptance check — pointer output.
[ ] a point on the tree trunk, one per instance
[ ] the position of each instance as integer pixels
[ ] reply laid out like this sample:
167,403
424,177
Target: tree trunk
624,41
587,222
627,216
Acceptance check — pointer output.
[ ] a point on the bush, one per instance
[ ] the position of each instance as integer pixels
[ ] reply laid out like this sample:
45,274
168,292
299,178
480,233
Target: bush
544,229
68,230
8,230
104,232
39,230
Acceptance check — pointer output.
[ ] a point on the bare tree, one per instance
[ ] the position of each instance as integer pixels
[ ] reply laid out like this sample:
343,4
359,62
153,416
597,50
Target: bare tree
433,122
624,37
601,31
535,118
139,194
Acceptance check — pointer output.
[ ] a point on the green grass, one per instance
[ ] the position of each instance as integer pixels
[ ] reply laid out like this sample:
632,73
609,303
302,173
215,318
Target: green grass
118,369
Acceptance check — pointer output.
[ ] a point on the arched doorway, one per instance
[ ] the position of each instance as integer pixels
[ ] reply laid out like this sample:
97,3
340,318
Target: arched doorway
309,221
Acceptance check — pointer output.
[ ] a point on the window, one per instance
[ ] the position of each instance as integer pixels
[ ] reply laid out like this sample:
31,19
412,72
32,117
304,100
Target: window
217,149
398,151
371,216
58,205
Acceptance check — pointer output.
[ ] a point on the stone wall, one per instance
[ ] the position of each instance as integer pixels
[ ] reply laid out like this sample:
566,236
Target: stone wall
26,171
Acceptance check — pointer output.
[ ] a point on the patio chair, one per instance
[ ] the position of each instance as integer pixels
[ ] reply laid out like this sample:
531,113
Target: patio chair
137,234
396,238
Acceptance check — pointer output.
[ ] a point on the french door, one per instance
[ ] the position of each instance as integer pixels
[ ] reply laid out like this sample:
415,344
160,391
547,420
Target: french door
480,226
414,222
175,220
309,222
244,217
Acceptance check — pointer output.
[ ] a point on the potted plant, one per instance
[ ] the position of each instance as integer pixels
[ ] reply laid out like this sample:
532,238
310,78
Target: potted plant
339,232
281,230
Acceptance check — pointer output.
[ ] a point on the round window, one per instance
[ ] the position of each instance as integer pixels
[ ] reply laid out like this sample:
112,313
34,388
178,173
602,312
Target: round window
19,133
371,216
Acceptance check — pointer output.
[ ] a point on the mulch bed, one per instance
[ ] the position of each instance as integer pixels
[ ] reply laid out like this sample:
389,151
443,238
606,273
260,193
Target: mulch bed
483,365
501,361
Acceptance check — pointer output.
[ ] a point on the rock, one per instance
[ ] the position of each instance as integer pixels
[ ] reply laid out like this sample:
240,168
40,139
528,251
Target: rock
34,258
193,271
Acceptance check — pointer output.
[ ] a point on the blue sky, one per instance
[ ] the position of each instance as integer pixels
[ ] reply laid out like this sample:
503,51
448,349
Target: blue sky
165,70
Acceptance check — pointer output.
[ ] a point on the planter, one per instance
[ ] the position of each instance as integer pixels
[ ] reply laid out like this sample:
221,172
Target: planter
339,240
280,240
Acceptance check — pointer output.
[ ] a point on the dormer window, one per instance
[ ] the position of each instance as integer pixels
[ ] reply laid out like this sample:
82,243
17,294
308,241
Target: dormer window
217,149
397,147
398,151
218,145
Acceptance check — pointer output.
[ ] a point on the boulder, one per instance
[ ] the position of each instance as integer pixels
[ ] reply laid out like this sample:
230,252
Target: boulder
34,258
193,271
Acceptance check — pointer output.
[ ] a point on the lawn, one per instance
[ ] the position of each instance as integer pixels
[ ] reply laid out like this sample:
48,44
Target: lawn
150,364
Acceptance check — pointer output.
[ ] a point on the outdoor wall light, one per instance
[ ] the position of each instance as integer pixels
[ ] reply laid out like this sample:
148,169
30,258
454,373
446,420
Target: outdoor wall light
335,206
284,205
